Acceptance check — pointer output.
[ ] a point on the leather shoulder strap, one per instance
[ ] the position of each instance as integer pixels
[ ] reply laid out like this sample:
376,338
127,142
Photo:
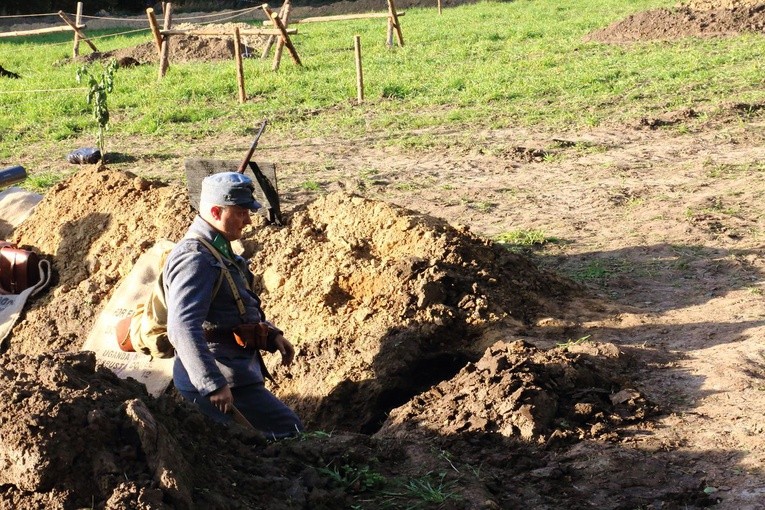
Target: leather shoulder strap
225,273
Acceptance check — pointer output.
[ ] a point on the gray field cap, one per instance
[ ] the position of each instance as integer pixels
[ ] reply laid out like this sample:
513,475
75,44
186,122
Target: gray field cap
229,188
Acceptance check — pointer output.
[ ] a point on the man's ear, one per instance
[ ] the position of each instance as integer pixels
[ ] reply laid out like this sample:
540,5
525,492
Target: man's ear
216,212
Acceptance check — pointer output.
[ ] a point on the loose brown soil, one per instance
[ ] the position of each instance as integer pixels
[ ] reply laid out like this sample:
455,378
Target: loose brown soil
618,365
696,18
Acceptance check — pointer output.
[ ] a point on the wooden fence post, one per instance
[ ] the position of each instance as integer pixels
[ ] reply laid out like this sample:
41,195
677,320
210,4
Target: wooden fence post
154,29
77,31
164,53
239,65
77,22
359,73
393,22
272,38
280,45
284,36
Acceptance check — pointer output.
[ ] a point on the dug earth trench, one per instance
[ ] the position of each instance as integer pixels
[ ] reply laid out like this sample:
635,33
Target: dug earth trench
615,361
416,354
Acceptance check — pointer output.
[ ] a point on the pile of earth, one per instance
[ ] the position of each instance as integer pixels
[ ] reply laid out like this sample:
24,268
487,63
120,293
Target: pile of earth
516,390
388,309
187,48
696,18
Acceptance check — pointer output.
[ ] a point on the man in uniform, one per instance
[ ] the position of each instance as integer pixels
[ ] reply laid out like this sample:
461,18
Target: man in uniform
218,331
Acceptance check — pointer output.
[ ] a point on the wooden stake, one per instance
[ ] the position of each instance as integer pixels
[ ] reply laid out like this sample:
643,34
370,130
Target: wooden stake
48,30
223,33
339,17
239,65
359,73
389,35
76,30
286,38
77,22
272,39
439,6
164,52
154,28
393,17
280,45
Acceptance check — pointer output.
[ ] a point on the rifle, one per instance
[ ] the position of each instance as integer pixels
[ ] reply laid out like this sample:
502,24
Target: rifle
250,152
273,213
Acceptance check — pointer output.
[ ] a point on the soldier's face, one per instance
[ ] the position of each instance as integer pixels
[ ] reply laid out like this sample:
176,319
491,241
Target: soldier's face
233,219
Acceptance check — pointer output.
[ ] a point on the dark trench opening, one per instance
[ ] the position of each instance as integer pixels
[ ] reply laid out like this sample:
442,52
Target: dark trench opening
423,375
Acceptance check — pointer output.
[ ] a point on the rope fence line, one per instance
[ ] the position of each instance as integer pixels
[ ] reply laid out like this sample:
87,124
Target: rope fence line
120,33
40,90
217,20
28,15
224,15
232,13
105,36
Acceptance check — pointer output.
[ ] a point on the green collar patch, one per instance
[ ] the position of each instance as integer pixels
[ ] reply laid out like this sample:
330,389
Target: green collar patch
223,246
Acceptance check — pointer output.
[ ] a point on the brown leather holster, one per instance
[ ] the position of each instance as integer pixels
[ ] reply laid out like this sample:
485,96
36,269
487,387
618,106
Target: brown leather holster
253,336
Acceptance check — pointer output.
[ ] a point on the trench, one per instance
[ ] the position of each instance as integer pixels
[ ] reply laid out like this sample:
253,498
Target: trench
427,372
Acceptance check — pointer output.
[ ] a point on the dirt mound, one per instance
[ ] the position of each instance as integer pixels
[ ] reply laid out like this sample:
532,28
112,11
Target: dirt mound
696,19
92,227
188,48
709,5
516,390
388,309
384,302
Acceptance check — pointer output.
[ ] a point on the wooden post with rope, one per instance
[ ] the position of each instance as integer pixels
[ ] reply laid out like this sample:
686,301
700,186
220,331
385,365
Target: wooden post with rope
77,22
283,30
154,29
280,45
239,65
272,38
77,30
164,53
393,22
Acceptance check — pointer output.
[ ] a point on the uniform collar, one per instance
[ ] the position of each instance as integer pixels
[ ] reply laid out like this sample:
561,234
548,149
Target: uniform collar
203,229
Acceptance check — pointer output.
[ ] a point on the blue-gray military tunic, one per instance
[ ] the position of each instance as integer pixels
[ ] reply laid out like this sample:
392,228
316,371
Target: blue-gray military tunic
190,276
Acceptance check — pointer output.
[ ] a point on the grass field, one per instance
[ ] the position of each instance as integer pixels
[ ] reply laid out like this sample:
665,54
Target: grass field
491,64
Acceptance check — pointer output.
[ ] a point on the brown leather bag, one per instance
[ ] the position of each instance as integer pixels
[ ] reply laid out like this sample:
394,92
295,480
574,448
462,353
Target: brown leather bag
122,330
19,269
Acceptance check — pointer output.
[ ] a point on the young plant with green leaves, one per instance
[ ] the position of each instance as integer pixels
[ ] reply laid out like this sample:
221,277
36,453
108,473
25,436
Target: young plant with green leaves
100,85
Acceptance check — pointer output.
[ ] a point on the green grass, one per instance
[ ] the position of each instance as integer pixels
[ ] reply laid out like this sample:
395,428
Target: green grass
310,186
488,65
524,238
40,182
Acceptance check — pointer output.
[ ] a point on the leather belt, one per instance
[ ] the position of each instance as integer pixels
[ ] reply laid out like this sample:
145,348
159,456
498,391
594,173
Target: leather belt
220,336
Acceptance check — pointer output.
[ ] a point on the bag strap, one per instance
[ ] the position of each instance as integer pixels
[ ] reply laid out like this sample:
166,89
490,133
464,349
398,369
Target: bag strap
225,273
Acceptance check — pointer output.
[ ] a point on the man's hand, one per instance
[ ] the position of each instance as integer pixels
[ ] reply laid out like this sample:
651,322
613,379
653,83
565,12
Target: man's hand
285,348
222,399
